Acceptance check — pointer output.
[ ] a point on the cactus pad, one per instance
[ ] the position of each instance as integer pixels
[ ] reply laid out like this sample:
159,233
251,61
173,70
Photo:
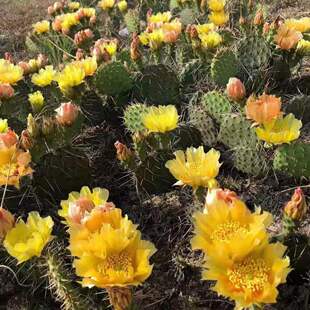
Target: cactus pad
133,117
300,107
132,21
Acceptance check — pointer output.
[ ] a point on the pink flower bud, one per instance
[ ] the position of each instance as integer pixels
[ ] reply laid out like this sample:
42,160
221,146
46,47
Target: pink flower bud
6,222
50,10
67,114
6,91
297,207
8,139
235,89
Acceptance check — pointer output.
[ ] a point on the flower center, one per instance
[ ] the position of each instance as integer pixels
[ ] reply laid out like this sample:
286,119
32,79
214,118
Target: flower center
226,231
120,262
251,274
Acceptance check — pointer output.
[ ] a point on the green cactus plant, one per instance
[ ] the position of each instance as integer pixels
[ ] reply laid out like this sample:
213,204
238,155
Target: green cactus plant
113,79
158,85
216,105
224,65
200,119
293,160
132,21
300,107
187,16
133,117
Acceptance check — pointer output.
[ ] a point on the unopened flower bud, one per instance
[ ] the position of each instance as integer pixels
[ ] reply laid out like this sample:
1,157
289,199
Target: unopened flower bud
79,54
242,20
134,47
93,20
42,60
8,138
123,153
50,10
26,141
296,208
266,28
32,126
235,89
67,114
8,56
6,222
259,18
25,66
6,91
58,6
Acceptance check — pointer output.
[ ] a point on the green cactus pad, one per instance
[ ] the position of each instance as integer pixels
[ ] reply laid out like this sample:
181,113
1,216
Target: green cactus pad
187,16
216,105
113,79
132,21
200,119
293,160
224,66
300,107
236,131
185,136
133,116
158,85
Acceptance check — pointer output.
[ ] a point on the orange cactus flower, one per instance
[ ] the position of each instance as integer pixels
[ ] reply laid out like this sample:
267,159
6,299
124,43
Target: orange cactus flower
287,38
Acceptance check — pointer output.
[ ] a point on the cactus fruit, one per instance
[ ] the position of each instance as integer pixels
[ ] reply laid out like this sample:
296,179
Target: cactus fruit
216,105
187,16
300,107
133,117
224,66
236,131
158,85
293,159
132,21
200,119
249,160
113,79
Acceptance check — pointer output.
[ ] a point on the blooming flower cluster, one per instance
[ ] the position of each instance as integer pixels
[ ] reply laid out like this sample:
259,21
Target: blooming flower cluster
245,266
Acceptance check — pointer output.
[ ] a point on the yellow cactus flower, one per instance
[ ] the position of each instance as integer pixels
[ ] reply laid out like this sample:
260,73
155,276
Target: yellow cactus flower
219,18
122,5
70,77
41,27
252,280
78,203
106,4
281,130
303,47
195,167
301,25
205,28
89,65
44,77
216,5
68,20
161,119
111,256
74,5
3,125
156,39
227,230
172,31
27,240
144,38
159,18
211,40
88,12
9,73
14,164
36,100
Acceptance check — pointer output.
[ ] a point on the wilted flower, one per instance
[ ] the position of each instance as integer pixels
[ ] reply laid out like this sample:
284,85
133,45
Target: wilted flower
227,230
28,239
280,130
219,18
41,27
161,119
251,280
235,89
9,73
263,109
216,5
82,36
36,100
123,153
26,141
134,47
297,207
6,91
44,77
67,113
195,167
6,222
287,38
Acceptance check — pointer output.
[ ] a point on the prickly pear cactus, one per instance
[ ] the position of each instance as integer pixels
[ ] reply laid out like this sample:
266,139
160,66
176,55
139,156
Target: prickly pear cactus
216,105
236,131
249,160
185,136
187,16
224,66
293,160
300,107
133,117
158,85
113,79
132,21
200,119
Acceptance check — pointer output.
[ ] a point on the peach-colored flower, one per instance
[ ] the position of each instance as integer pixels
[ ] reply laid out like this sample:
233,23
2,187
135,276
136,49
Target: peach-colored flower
6,91
287,38
263,109
8,139
235,89
67,113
